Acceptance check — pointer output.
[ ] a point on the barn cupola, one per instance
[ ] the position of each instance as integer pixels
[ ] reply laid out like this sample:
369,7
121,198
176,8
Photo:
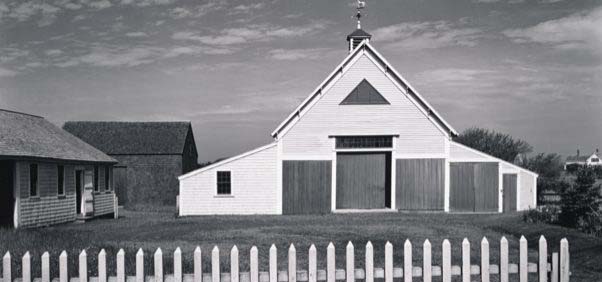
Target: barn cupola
358,35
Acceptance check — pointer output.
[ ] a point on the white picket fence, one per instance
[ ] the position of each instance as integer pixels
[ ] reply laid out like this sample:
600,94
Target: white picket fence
554,271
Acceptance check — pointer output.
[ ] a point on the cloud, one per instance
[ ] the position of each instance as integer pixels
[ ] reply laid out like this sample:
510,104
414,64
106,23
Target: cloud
26,10
101,4
136,34
7,73
427,35
297,54
578,31
452,75
231,36
53,52
245,9
145,3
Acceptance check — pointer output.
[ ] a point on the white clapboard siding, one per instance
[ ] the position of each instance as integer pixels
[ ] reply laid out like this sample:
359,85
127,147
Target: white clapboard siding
309,135
253,187
527,195
558,269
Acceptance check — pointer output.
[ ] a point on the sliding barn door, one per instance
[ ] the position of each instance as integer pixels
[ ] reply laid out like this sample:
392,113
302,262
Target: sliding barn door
474,187
363,180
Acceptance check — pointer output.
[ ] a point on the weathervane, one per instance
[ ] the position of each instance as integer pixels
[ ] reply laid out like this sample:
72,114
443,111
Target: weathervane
360,5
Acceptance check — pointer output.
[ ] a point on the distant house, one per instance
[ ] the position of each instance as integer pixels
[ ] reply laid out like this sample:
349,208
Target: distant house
591,159
364,139
151,156
48,176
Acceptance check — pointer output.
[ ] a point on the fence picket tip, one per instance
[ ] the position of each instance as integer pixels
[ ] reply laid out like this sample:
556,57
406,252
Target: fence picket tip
427,242
369,244
27,255
102,252
83,253
349,245
46,254
504,239
177,251
197,249
272,247
407,242
215,249
446,242
234,248
140,252
121,252
522,238
330,245
292,247
312,247
388,244
542,238
158,251
465,241
485,241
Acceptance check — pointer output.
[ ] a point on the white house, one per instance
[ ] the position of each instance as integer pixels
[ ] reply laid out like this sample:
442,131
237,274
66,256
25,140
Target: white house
364,139
590,160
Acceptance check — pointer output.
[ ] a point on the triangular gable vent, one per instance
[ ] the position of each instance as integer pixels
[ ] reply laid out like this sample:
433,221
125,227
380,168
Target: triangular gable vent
364,94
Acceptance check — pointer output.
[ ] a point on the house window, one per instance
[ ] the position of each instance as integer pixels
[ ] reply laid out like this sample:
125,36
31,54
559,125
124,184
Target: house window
108,178
595,160
60,176
33,180
96,188
364,142
224,185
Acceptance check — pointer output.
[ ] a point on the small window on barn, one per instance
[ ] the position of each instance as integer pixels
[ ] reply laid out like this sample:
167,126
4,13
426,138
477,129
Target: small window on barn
595,160
224,185
364,142
60,176
364,94
96,188
33,180
108,178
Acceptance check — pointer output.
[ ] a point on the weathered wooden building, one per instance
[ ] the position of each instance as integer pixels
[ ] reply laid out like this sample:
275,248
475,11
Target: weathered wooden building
48,176
364,139
150,155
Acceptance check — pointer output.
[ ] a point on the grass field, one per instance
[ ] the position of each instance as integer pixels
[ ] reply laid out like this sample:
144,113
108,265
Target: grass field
148,230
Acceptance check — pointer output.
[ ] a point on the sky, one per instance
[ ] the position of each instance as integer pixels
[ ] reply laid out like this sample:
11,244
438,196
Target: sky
236,69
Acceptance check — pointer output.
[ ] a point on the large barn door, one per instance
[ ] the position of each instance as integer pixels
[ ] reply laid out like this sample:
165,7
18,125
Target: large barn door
306,187
510,181
363,180
420,184
474,187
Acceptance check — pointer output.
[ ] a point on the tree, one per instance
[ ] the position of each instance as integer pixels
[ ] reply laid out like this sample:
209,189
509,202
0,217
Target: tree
497,144
581,201
546,165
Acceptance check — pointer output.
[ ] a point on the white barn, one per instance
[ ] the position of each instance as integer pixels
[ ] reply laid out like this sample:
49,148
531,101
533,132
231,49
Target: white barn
364,139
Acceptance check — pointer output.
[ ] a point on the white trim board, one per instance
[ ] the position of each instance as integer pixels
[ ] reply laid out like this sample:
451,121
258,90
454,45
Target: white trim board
488,156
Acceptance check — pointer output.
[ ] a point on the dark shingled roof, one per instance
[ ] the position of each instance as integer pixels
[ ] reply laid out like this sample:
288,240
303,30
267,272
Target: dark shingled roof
28,136
359,33
580,158
132,138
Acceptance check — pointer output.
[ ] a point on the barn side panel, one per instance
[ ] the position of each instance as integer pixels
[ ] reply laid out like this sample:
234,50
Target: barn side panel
306,187
420,184
527,191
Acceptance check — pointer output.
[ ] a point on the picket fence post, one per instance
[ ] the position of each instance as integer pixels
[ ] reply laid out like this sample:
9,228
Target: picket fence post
543,259
102,266
63,267
554,267
503,259
254,264
234,273
485,260
330,263
6,267
369,262
523,259
350,265
407,261
273,263
177,265
46,267
446,261
388,262
564,261
83,266
140,265
427,266
292,264
312,264
26,265
158,265
465,260
215,271
121,265
198,264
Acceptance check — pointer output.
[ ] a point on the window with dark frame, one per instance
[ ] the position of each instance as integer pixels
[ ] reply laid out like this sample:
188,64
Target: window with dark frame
363,142
595,160
108,178
60,176
33,180
96,188
224,184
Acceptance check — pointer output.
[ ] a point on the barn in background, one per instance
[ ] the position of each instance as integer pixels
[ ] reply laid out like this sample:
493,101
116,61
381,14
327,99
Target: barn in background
48,176
363,140
150,155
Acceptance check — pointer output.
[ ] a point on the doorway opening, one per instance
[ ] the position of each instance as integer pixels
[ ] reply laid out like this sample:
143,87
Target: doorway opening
7,193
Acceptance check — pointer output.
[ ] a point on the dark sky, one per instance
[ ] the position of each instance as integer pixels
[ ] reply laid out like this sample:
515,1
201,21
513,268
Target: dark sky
236,69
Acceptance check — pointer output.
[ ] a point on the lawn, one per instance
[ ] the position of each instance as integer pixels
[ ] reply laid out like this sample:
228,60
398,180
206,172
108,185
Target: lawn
149,230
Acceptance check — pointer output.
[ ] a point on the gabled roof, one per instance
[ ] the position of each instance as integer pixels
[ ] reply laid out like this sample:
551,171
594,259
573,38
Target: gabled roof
399,81
28,136
132,138
579,158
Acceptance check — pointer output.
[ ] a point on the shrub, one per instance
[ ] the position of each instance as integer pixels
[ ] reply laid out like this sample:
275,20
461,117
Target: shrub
544,214
581,201
573,168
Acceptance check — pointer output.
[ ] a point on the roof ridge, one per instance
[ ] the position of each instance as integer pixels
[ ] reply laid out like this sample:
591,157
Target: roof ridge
129,121
21,113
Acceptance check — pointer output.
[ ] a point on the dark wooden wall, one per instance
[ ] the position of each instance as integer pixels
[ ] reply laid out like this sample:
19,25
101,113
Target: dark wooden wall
362,180
510,185
420,184
474,186
120,182
306,187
